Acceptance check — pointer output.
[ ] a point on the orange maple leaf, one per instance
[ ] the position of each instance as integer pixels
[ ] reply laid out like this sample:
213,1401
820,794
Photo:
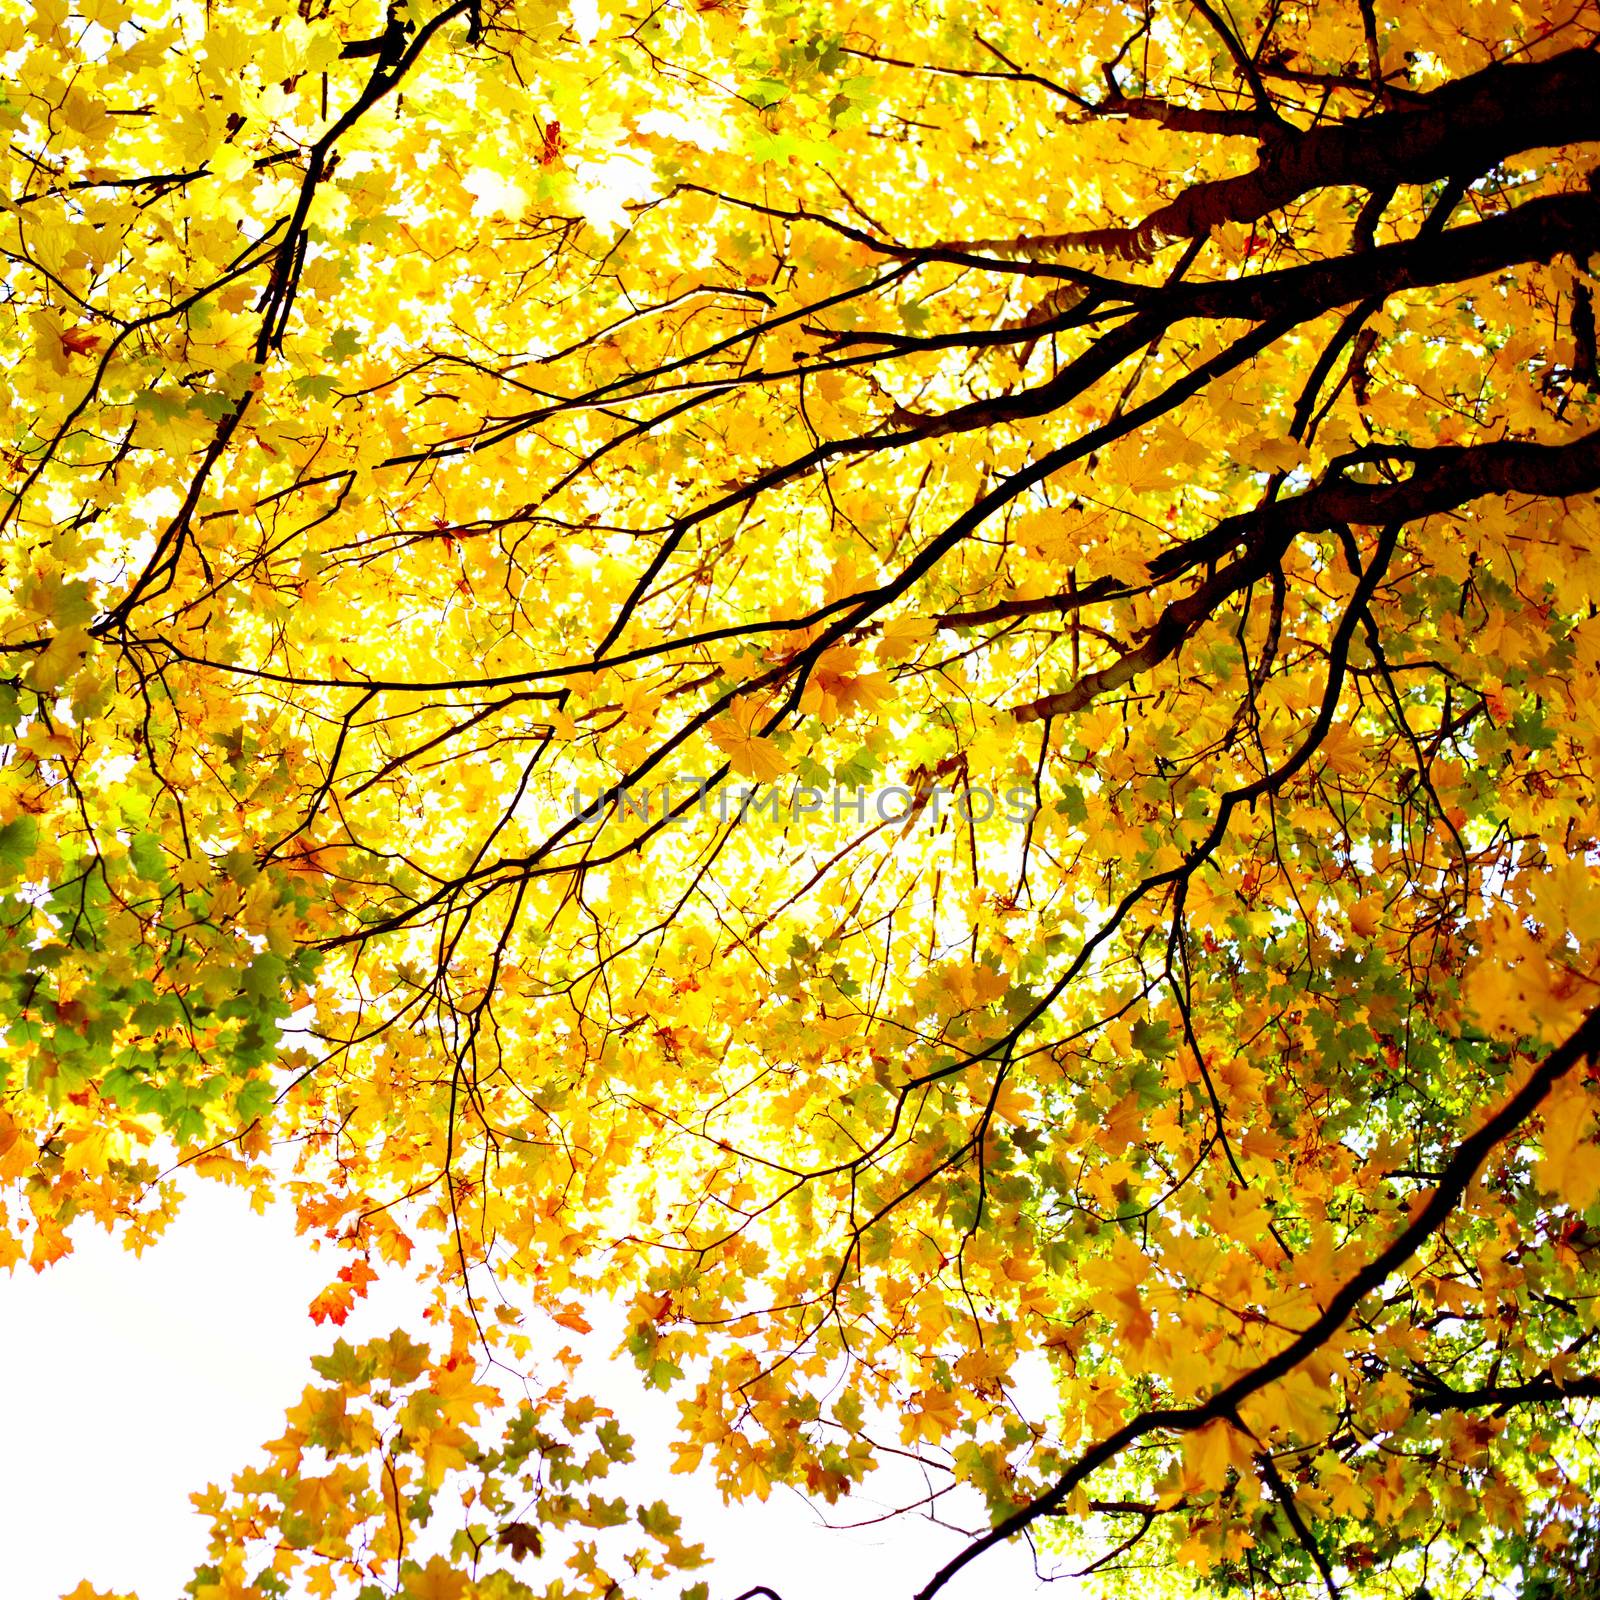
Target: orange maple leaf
80,342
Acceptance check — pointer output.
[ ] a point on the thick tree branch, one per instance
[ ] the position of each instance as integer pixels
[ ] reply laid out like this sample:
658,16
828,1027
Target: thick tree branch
1467,126
1426,1219
1544,1390
1441,479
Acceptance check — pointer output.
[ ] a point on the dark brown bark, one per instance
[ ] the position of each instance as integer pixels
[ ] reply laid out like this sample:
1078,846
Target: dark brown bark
1539,231
1440,479
1463,127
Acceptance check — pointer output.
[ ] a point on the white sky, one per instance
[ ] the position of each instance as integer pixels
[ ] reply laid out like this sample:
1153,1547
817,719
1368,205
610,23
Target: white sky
133,1381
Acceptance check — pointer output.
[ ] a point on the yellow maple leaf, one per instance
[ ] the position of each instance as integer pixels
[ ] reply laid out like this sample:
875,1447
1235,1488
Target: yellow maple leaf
900,637
1570,1163
1210,1451
750,754
436,1581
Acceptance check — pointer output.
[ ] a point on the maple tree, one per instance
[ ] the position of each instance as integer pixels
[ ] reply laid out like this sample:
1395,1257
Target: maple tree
1178,415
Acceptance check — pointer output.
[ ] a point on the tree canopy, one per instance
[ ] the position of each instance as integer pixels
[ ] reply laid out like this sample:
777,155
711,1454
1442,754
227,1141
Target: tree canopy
911,689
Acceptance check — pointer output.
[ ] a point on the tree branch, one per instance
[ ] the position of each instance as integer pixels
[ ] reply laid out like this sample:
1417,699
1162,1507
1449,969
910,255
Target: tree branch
1426,1219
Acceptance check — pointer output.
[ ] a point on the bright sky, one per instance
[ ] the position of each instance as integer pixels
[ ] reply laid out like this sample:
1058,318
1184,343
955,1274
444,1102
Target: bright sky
132,1382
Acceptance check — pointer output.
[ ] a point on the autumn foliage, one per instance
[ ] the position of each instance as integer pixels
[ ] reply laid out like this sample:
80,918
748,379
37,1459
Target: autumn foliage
786,428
